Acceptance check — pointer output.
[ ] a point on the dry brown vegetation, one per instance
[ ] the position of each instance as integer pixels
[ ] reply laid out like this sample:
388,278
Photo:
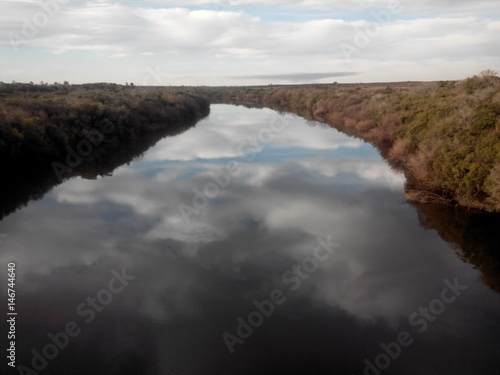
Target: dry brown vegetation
445,136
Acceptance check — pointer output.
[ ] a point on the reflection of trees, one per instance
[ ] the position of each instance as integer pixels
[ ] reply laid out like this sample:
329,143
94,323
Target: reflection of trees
473,233
42,125
24,182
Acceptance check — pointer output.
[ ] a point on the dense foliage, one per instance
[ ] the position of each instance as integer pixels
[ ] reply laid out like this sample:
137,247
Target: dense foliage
52,132
39,122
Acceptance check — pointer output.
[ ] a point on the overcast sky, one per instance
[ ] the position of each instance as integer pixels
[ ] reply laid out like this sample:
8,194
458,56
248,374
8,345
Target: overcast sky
246,42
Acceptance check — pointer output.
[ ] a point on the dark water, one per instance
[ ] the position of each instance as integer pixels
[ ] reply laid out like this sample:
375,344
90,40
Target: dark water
254,243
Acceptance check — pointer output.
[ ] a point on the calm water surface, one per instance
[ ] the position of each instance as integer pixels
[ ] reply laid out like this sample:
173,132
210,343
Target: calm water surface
254,243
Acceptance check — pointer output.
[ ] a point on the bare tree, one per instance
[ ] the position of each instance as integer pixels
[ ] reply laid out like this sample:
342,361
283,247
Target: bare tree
488,73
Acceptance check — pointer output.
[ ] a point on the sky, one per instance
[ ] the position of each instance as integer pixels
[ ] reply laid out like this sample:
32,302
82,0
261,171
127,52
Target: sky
246,42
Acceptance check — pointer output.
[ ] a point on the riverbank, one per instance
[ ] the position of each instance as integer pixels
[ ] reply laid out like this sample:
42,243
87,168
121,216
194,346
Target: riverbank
445,136
47,124
49,133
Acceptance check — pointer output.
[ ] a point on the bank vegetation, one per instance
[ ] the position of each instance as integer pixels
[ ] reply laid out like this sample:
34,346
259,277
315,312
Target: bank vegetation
39,122
445,136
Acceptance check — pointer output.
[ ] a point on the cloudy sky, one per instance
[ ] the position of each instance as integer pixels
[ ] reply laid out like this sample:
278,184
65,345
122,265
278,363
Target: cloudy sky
244,42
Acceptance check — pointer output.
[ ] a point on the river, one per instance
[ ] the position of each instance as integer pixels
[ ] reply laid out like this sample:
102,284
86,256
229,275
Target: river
254,243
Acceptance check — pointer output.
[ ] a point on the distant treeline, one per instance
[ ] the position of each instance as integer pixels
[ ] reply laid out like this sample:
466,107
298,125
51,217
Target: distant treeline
40,123
444,135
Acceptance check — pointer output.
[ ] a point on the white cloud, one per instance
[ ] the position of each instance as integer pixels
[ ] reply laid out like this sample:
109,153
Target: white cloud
220,136
222,40
327,4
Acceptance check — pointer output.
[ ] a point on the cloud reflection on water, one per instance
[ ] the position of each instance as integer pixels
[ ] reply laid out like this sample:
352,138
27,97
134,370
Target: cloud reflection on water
194,279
